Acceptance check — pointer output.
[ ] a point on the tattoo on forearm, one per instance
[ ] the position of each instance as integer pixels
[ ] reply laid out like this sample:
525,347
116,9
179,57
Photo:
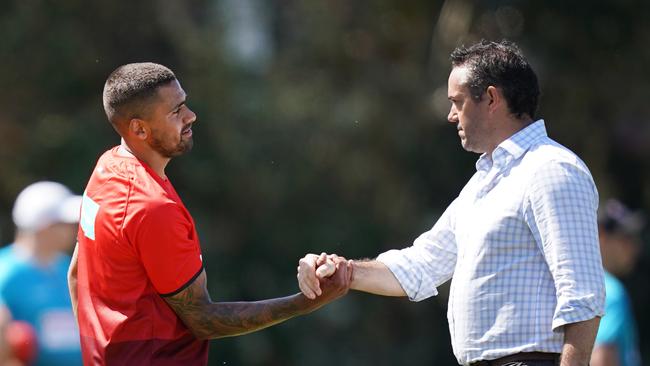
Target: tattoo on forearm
207,319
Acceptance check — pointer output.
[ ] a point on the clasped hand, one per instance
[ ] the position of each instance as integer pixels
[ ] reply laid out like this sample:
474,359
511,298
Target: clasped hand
323,274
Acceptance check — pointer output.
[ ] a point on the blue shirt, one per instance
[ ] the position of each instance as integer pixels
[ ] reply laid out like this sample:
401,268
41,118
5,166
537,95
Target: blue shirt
618,327
521,243
39,295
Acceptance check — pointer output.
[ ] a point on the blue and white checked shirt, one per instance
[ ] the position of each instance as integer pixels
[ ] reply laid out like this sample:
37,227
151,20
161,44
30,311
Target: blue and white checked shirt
521,242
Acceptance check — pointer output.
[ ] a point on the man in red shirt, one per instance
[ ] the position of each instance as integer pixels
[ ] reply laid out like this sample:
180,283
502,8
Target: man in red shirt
137,281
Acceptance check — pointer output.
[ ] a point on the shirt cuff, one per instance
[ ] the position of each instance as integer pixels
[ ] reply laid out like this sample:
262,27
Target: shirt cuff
577,310
407,274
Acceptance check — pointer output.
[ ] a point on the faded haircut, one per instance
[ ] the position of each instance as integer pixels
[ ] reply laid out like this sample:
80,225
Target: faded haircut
129,90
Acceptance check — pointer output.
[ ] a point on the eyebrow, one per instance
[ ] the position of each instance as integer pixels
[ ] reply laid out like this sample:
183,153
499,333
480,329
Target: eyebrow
179,104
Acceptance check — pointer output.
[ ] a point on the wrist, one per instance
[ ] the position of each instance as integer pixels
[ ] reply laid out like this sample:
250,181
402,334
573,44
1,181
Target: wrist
357,274
303,304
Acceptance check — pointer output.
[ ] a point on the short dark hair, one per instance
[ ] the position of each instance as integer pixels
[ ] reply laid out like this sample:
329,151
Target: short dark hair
130,87
502,65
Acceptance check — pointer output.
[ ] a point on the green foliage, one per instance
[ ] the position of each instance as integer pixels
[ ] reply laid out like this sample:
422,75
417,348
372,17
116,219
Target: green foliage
337,141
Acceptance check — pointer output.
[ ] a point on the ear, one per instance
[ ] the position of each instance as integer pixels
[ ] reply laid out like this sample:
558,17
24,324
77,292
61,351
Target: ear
494,97
138,128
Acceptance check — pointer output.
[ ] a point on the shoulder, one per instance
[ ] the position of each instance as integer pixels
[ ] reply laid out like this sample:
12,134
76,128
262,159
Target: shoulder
551,165
118,179
6,252
111,176
6,264
11,266
113,167
549,154
8,261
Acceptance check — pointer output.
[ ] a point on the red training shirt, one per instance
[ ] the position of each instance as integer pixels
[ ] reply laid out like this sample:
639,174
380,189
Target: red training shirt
137,242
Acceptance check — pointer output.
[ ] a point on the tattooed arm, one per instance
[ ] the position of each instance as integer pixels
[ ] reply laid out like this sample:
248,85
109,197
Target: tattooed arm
209,320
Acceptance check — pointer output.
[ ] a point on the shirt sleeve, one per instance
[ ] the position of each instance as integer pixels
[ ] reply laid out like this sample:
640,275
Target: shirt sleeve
428,263
561,211
169,248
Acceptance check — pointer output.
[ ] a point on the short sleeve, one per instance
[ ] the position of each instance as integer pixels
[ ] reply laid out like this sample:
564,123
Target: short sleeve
429,262
169,249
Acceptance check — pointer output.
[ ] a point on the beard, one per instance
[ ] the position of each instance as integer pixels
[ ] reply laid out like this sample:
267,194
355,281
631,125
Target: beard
170,150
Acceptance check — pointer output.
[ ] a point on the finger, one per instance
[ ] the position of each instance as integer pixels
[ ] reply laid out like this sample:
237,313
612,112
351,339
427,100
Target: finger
321,259
309,259
336,258
313,277
303,286
326,269
305,289
307,280
308,287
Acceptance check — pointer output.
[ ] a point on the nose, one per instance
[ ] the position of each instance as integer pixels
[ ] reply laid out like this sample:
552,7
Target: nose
453,115
191,116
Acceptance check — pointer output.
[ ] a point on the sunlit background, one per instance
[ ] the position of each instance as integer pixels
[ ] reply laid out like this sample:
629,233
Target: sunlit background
321,127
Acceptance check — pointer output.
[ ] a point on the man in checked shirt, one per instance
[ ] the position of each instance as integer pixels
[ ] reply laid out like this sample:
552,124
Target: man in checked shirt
520,241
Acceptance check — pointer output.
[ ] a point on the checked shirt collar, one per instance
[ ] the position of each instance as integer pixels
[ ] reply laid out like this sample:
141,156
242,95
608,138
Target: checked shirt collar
512,148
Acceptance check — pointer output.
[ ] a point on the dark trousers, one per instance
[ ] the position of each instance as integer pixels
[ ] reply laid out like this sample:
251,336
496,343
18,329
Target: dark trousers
523,359
528,363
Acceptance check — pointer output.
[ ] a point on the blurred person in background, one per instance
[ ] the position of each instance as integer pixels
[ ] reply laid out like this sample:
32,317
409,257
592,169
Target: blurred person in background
39,326
620,243
520,240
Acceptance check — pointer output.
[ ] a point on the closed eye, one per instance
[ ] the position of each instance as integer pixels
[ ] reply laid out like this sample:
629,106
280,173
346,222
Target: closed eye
178,109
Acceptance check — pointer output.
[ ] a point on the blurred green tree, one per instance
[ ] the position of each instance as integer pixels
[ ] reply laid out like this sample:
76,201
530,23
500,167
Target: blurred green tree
322,127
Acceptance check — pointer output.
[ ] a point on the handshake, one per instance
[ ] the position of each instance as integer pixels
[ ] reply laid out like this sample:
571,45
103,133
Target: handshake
325,276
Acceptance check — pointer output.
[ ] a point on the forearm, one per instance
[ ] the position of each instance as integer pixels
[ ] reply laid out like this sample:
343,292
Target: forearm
208,319
224,319
375,277
578,342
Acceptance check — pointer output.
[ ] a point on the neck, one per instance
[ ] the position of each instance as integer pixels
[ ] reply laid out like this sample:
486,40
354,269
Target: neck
152,158
507,129
31,247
